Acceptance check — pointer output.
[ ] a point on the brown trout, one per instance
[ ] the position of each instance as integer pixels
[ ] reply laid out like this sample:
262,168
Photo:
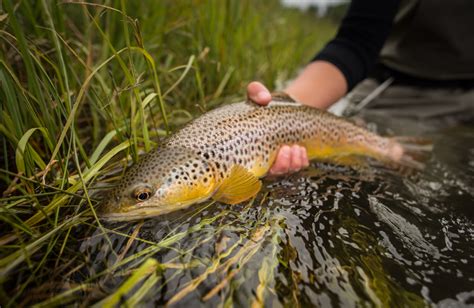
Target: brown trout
223,153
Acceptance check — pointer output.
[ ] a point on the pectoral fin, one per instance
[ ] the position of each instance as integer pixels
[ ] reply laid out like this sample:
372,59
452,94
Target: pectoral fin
239,186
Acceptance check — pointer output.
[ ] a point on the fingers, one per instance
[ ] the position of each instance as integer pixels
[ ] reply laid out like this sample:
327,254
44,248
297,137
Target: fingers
282,162
290,159
258,93
295,159
304,157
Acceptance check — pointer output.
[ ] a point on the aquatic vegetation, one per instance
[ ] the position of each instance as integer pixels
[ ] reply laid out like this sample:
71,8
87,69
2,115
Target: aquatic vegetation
87,87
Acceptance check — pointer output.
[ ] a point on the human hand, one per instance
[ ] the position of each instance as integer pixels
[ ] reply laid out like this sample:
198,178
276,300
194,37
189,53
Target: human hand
289,158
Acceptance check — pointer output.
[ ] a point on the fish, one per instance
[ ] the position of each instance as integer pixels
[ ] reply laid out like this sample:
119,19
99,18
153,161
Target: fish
224,153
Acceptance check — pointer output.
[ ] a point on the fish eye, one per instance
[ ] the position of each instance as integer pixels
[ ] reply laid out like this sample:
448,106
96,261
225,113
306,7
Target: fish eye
142,195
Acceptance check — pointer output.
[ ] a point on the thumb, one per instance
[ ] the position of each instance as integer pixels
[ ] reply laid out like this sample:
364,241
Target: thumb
258,93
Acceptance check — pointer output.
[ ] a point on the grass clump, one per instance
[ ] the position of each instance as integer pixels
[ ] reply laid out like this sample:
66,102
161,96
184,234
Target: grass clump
85,87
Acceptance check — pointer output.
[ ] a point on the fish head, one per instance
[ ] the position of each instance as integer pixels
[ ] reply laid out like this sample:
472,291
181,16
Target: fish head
163,181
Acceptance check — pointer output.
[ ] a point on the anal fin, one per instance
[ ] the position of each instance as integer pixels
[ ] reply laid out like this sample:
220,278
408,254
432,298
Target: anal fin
241,185
353,161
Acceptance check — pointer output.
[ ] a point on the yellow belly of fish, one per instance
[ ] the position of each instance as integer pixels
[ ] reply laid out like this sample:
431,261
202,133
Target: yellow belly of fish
262,165
337,152
242,184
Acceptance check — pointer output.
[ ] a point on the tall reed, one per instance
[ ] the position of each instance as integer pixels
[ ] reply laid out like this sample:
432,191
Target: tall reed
85,87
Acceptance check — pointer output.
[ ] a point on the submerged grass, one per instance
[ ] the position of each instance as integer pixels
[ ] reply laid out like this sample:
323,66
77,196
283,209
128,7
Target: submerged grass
85,87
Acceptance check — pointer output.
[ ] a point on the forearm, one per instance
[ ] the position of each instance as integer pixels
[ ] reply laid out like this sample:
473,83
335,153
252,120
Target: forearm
349,57
320,85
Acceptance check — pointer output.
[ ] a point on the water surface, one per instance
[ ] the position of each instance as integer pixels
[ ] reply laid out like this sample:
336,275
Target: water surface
327,236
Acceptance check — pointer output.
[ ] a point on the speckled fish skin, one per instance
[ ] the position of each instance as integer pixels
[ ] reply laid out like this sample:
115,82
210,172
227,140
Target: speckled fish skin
193,163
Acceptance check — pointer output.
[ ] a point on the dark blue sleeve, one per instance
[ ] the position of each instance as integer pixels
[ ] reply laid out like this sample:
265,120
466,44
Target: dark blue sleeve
361,35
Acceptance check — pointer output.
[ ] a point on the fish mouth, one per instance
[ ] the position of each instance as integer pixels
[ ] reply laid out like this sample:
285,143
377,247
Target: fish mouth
136,214
140,212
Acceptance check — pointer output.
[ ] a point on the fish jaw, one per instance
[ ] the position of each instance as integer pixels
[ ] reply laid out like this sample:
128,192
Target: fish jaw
146,211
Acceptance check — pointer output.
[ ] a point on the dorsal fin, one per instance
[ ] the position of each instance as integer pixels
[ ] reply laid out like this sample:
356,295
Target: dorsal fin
280,96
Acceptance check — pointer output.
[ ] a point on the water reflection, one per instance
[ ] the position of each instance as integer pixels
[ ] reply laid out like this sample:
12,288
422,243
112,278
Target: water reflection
328,236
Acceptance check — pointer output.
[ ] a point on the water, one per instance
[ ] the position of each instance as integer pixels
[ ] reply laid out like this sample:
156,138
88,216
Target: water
321,5
328,236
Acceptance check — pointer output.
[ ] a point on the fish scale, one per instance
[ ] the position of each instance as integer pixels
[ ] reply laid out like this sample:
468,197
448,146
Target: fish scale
222,154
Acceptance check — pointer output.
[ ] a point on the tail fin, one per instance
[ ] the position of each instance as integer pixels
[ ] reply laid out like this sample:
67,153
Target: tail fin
411,152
